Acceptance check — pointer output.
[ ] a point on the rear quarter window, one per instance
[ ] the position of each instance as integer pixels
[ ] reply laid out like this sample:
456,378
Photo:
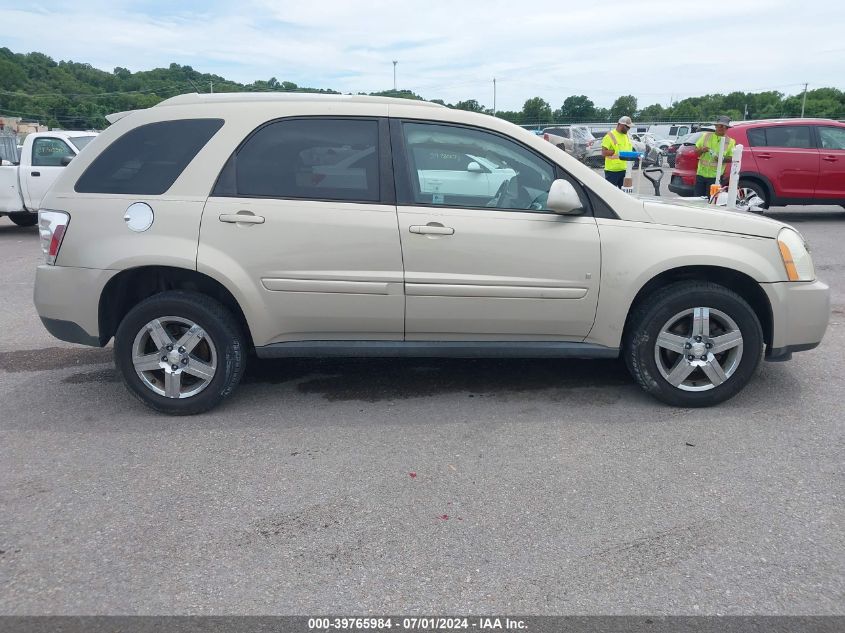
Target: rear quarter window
148,159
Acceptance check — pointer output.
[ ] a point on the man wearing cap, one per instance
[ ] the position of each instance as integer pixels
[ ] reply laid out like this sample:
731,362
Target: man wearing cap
707,148
614,142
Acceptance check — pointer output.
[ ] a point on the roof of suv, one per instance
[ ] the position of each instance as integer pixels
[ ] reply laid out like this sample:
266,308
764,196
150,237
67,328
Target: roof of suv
255,97
774,121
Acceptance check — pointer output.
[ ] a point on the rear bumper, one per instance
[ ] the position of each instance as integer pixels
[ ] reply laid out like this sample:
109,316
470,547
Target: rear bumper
68,299
800,313
678,186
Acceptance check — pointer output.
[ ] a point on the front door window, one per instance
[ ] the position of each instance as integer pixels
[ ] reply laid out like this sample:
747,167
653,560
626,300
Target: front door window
48,152
463,167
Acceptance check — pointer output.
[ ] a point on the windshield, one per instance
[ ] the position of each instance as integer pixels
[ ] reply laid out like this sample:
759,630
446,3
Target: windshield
81,141
582,134
689,139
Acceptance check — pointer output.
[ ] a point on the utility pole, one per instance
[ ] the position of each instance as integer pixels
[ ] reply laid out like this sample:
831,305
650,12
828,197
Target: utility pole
804,101
494,96
395,61
211,86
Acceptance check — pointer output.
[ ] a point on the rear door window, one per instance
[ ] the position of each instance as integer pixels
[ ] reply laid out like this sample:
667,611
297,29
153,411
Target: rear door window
148,159
316,159
797,136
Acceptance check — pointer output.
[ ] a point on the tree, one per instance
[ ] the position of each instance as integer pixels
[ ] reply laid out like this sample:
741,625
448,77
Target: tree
537,110
575,109
470,105
510,115
654,112
623,106
686,111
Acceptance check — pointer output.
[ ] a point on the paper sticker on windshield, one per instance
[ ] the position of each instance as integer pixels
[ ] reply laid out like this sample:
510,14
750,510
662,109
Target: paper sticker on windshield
437,198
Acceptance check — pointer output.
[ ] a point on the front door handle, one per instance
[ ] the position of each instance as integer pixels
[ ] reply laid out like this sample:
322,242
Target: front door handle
432,228
763,155
36,174
241,217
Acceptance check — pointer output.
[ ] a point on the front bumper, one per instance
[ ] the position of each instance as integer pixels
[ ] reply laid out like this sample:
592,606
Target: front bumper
68,299
800,314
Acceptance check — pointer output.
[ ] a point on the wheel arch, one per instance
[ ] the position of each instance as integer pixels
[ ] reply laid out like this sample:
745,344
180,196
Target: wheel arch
129,287
740,283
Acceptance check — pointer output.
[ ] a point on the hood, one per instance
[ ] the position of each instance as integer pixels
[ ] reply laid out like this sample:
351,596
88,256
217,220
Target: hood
699,215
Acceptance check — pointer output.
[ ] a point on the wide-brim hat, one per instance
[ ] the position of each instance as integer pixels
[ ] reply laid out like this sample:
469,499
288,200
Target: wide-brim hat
723,120
626,120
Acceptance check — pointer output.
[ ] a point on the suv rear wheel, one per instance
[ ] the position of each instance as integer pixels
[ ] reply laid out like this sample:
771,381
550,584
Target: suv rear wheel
180,353
749,188
693,344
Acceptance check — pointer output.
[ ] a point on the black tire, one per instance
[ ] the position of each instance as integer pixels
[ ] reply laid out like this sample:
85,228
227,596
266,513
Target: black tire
671,161
222,333
645,325
24,219
758,189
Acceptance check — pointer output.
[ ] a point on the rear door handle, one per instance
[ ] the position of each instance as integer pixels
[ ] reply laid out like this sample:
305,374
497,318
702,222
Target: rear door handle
242,217
432,228
830,159
36,173
763,155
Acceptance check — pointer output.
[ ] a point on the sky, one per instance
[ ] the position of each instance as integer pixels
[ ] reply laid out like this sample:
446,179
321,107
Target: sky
657,50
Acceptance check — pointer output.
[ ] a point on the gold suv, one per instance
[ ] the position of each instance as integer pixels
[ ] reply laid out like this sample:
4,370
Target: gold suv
327,225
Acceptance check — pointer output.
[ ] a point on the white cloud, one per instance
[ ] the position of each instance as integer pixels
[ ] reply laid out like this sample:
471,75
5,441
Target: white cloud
452,50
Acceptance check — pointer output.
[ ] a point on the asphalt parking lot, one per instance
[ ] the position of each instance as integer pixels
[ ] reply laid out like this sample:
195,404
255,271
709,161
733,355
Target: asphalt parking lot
419,486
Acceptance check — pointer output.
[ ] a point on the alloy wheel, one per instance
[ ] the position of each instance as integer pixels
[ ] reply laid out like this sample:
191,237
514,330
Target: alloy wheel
698,349
174,357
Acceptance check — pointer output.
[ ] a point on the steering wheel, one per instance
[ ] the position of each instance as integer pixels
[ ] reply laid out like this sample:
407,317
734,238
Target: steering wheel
539,203
497,198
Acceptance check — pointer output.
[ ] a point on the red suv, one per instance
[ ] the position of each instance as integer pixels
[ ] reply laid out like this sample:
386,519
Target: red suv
785,161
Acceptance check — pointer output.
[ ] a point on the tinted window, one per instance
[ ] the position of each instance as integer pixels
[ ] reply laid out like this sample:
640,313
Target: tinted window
321,159
789,136
832,137
488,170
757,137
148,159
48,152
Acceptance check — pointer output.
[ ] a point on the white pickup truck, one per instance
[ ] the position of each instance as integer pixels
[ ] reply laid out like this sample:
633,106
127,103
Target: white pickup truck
44,155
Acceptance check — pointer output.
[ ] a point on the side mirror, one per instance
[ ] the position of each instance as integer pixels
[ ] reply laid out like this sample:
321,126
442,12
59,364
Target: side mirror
65,160
475,168
563,198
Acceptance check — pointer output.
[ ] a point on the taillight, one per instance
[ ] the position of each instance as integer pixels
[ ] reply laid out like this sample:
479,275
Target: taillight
545,137
52,226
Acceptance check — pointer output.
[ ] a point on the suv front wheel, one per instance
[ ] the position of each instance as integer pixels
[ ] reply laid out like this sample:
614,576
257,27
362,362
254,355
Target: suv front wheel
180,353
693,344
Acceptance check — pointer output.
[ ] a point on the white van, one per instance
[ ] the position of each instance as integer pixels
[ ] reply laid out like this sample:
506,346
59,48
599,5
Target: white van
668,134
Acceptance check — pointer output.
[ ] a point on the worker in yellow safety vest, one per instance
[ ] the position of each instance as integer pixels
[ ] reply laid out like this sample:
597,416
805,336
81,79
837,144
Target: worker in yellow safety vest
707,148
614,142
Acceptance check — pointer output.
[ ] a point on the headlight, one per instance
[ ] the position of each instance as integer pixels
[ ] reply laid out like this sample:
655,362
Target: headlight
796,256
